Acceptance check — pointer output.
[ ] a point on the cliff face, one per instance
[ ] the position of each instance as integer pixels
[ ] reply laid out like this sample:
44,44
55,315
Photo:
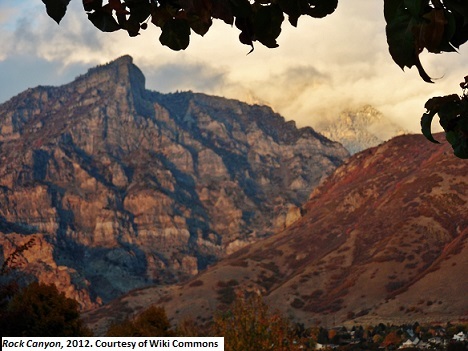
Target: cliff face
360,129
383,239
124,187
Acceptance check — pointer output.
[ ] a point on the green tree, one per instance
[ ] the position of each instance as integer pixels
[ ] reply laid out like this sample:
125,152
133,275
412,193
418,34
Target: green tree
40,310
250,326
151,322
412,26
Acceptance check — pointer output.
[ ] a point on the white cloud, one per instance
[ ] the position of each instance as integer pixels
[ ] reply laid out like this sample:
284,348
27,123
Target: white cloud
320,68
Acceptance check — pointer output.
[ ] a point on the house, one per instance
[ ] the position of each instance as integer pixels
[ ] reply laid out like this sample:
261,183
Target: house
407,344
411,343
460,337
436,341
325,346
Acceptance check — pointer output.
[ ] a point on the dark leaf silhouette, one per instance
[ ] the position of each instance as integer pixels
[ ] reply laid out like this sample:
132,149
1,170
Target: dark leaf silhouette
453,113
322,8
426,122
91,5
56,8
267,24
103,21
175,34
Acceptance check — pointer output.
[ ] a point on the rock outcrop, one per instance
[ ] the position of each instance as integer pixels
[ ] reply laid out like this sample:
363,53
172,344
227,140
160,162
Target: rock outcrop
125,187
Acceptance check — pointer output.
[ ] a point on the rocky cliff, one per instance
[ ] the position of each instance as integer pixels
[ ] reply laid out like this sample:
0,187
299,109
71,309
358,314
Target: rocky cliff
122,187
383,239
360,129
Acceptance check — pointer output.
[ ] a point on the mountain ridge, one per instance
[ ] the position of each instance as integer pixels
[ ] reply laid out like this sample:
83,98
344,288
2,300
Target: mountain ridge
124,187
361,128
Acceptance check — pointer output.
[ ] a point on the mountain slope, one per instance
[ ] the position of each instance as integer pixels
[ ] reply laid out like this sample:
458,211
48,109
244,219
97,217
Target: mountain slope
123,187
383,239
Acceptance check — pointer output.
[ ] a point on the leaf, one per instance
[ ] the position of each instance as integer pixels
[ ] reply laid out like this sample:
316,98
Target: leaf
267,24
461,33
199,25
140,10
416,7
241,8
103,21
294,9
56,9
391,8
247,32
400,37
431,33
118,7
322,8
422,73
223,11
436,103
460,7
401,30
198,15
426,121
449,32
160,15
92,5
175,34
459,144
132,26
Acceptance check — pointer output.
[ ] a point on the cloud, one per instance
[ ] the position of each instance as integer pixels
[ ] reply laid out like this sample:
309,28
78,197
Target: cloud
320,68
184,76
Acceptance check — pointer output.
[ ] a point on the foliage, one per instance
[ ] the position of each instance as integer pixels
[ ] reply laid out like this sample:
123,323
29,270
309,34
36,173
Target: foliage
453,115
411,26
151,322
7,291
257,20
392,338
250,326
415,25
39,310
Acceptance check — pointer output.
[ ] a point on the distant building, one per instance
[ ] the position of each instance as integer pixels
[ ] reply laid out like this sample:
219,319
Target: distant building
460,337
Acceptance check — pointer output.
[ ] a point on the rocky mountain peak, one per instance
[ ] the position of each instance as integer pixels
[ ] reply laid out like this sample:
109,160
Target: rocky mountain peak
121,70
125,187
361,128
120,74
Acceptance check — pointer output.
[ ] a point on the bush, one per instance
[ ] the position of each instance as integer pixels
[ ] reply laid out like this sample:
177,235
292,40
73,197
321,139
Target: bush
151,322
250,326
40,310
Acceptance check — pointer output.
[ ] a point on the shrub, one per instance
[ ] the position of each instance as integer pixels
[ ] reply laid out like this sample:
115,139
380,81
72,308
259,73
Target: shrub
151,322
250,326
40,310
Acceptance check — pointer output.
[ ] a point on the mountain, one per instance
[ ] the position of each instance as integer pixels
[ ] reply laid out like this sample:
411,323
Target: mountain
121,187
360,129
383,239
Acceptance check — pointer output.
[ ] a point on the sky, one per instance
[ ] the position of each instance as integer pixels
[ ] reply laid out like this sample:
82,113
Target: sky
321,67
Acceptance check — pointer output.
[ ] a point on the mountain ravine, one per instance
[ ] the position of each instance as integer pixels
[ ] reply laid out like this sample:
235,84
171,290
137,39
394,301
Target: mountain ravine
122,187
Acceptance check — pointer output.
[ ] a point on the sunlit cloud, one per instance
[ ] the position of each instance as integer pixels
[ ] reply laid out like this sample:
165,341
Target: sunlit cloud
320,68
